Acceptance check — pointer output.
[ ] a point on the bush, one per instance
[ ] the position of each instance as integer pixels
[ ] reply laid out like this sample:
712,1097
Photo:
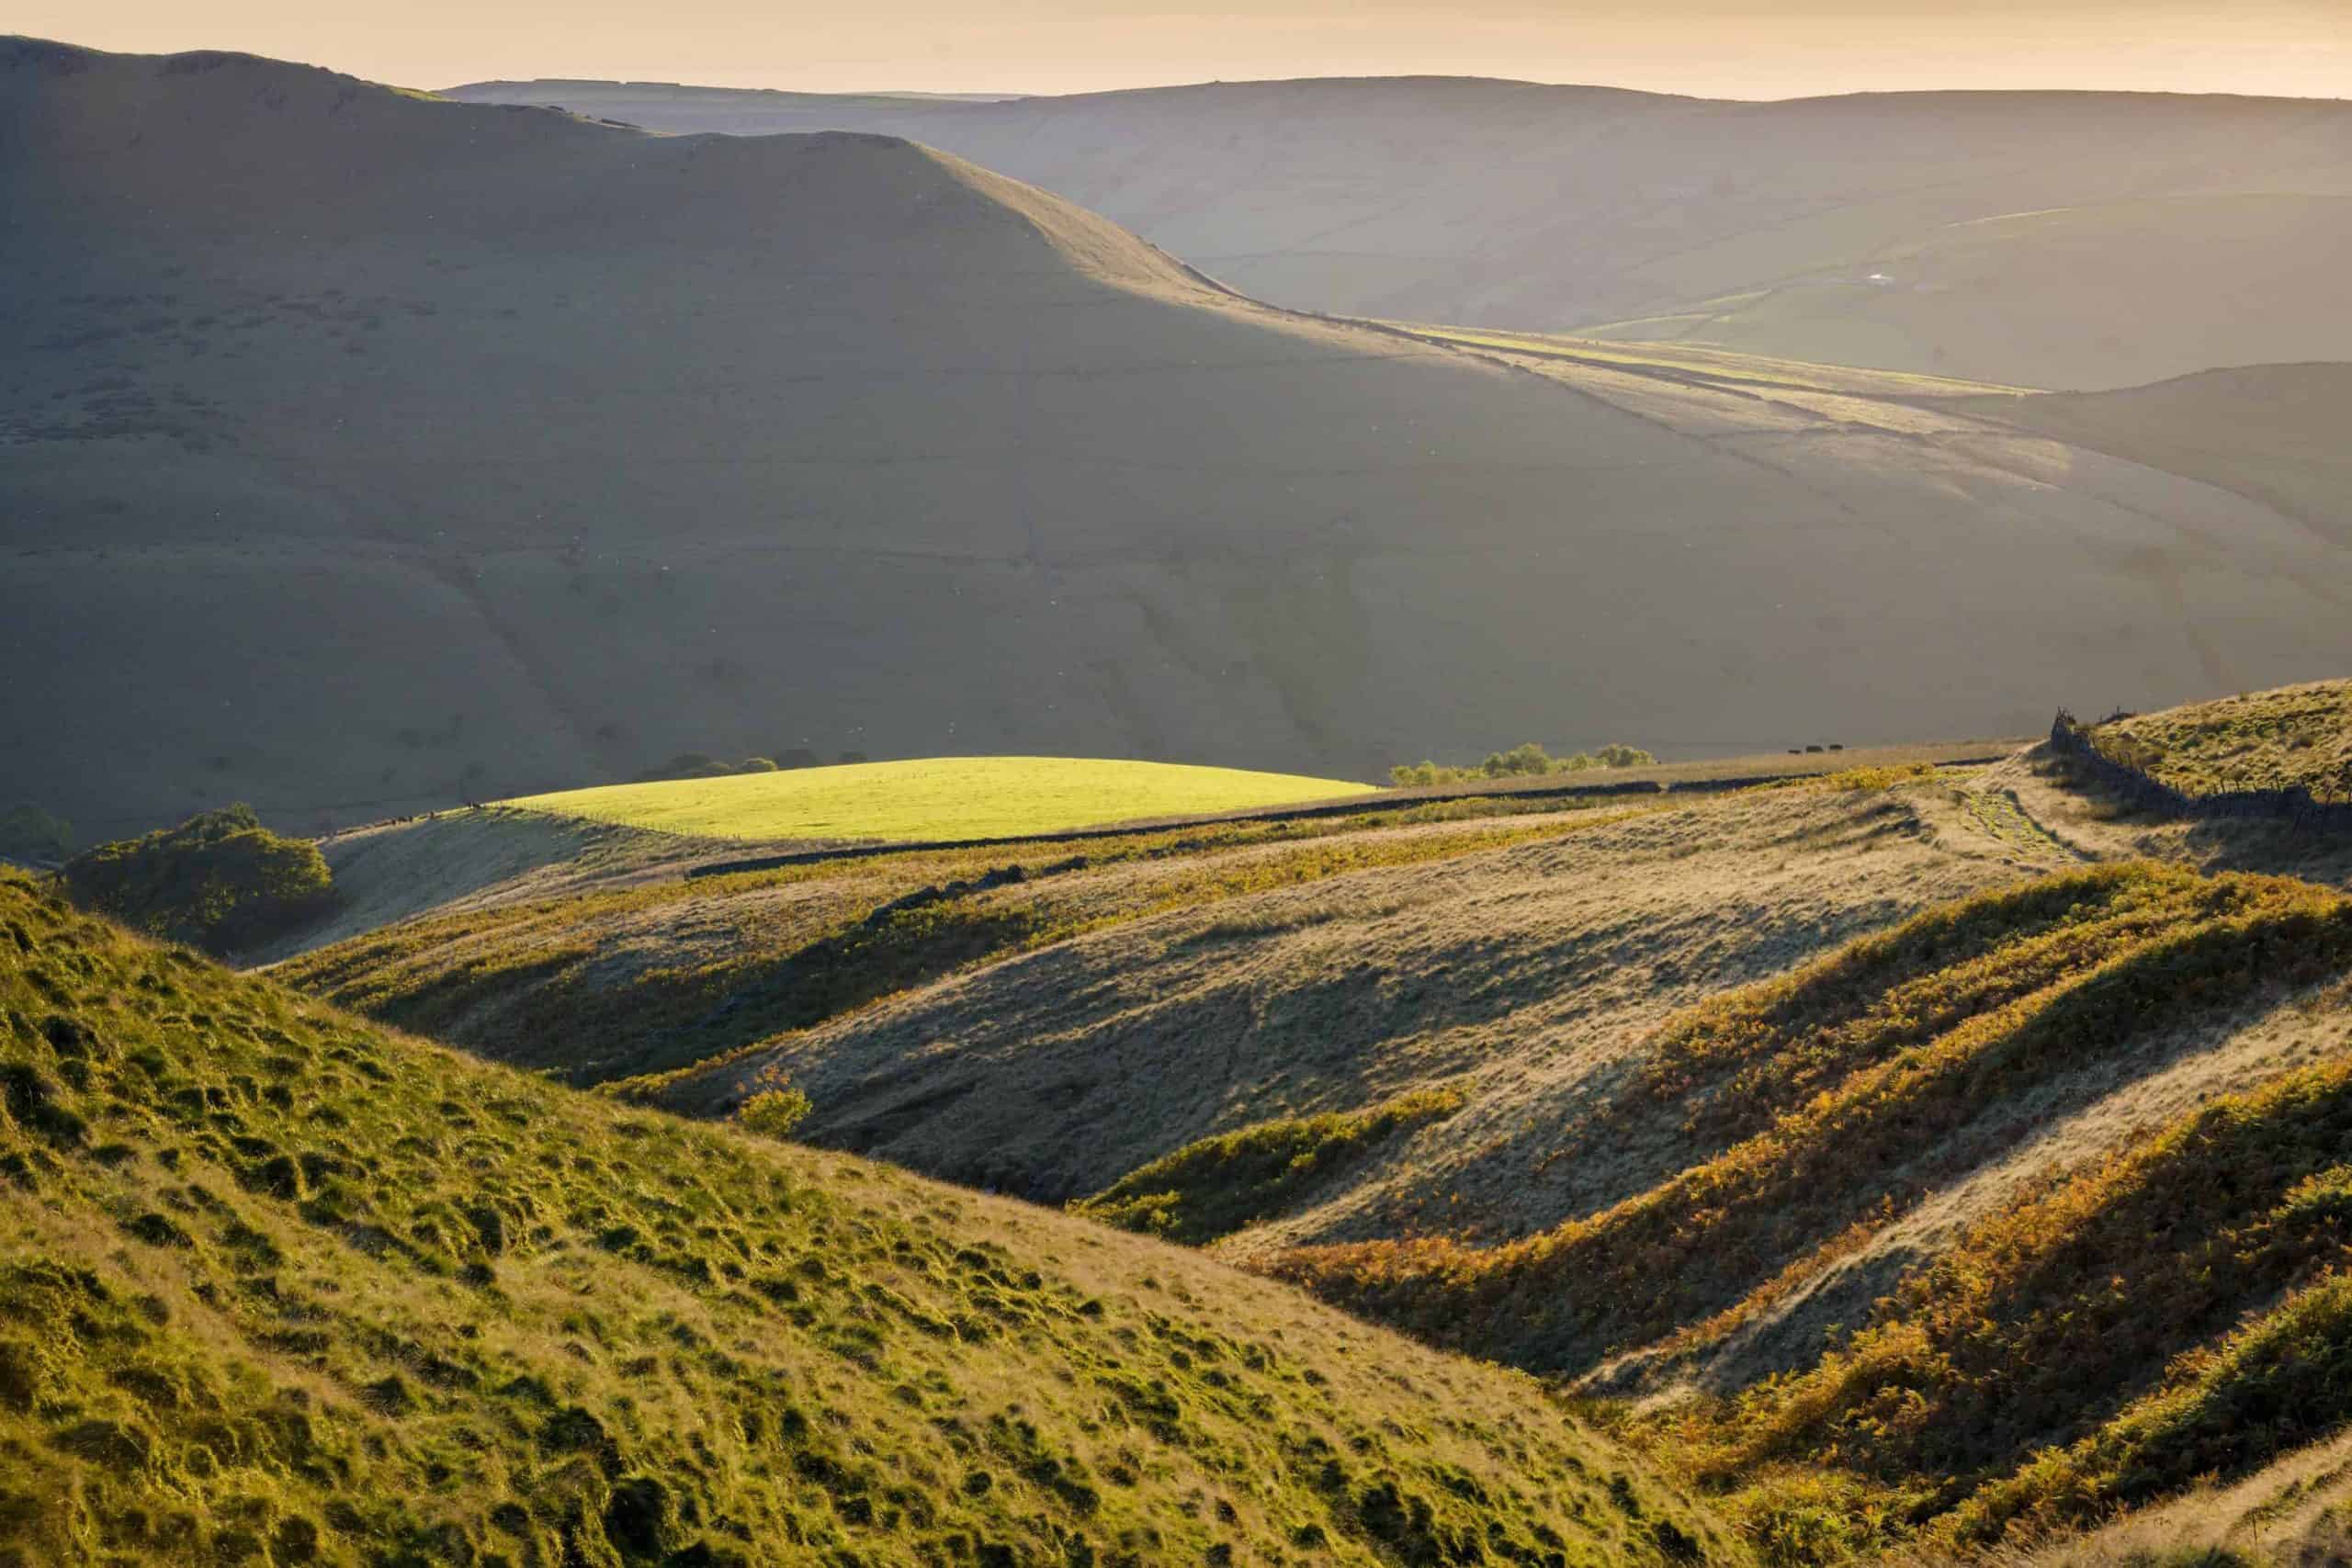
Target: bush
774,1113
756,765
220,881
27,833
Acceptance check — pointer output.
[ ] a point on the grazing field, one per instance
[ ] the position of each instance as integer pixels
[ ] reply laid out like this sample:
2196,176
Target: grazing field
277,1286
940,798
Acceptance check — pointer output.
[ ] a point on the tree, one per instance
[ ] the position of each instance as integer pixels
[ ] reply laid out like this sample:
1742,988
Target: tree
27,833
220,881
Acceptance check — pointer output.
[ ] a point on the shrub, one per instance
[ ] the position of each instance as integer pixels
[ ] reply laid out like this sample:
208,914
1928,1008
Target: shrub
774,1113
27,833
220,881
756,765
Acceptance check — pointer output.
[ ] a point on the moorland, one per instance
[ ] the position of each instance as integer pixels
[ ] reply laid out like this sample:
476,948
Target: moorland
477,1086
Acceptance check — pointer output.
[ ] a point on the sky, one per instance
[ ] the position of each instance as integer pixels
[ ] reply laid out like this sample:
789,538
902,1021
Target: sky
1752,49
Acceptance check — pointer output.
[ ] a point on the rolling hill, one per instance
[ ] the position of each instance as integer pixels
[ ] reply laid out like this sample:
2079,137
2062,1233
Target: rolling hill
370,453
2063,240
278,1286
1821,1132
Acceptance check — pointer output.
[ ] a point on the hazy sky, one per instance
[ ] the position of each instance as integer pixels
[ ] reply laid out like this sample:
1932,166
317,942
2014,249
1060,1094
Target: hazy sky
1728,48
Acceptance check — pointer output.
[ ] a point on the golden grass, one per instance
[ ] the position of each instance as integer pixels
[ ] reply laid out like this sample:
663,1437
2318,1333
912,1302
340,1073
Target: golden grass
1214,1187
2297,734
2099,1307
658,978
939,798
275,1285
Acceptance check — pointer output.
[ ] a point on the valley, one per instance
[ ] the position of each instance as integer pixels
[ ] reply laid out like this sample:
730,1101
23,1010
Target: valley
1397,820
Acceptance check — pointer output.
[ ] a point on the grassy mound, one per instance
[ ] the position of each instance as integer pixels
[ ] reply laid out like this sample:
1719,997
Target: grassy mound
220,880
936,798
277,1287
1216,1186
2297,734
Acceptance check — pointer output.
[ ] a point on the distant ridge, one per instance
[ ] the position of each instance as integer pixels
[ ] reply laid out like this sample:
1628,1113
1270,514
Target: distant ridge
2141,235
366,452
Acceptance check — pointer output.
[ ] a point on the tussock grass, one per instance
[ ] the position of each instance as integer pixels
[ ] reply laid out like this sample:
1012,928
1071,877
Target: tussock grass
278,1286
1216,1186
2297,734
934,798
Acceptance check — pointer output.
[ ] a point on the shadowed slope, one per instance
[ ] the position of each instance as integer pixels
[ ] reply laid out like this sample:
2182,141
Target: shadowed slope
275,1282
370,453
2051,239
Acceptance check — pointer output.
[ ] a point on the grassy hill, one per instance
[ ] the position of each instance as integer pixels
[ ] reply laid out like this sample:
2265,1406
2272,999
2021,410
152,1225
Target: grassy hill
275,1285
2298,735
1866,1148
2064,239
1819,1136
2048,1291
941,797
371,453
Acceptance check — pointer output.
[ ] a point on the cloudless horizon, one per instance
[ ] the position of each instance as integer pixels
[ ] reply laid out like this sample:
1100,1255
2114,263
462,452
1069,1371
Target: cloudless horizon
1744,48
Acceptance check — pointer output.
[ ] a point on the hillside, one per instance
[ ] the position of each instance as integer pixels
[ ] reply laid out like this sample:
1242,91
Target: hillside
370,454
2272,433
1823,1132
2066,239
275,1285
2299,734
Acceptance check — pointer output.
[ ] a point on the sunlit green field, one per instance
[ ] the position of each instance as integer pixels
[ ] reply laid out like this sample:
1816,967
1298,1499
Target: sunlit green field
940,798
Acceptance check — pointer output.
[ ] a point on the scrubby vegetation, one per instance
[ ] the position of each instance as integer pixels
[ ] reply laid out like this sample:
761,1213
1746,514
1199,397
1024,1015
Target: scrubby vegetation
277,1287
937,798
220,881
703,765
1216,1186
2298,735
2078,1348
1527,761
28,833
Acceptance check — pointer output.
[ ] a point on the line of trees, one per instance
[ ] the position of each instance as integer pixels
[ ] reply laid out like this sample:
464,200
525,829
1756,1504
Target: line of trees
1529,760
703,765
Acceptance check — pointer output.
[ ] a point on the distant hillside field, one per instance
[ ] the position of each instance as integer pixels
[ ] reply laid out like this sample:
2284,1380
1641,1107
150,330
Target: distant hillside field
277,1286
2052,239
364,454
940,798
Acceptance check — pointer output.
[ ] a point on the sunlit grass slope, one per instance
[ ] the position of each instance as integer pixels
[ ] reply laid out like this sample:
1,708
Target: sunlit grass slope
278,1286
941,797
2297,734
